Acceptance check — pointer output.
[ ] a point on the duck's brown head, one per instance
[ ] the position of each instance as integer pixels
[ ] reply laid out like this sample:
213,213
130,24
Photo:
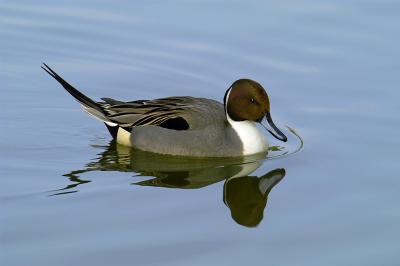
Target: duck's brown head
246,99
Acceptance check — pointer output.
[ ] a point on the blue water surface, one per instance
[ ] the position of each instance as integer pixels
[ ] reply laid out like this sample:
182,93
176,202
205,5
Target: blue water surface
70,197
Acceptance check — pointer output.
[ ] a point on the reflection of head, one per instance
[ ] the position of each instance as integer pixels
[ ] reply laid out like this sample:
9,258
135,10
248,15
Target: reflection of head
247,196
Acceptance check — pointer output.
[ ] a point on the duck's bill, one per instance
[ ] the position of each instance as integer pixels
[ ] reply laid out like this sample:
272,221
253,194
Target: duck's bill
269,125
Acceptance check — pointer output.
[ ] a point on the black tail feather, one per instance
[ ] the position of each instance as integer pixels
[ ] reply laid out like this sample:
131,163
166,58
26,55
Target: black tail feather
113,130
80,97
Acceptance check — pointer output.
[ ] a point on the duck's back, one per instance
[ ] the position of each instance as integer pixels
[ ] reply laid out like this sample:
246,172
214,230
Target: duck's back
208,133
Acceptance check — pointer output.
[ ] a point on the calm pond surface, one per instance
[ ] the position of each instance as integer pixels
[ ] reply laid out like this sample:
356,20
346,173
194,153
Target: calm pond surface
70,196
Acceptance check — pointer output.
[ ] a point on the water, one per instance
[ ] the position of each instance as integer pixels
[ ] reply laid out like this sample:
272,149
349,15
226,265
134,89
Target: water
69,196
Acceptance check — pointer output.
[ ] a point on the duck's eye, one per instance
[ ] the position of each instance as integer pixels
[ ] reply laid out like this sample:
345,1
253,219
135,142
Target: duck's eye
252,100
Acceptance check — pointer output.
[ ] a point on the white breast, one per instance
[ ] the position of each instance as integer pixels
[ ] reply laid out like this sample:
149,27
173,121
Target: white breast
252,138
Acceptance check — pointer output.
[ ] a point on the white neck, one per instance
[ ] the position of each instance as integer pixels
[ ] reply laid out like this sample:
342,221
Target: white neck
253,140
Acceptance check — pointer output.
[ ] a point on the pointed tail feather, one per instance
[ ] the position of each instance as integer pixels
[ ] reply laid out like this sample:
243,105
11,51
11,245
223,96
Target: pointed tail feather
88,104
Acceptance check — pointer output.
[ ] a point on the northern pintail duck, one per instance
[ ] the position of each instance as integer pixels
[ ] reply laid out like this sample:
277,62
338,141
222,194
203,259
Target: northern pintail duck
187,126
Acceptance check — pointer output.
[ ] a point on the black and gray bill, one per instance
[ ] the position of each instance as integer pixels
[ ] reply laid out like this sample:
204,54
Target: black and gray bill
269,125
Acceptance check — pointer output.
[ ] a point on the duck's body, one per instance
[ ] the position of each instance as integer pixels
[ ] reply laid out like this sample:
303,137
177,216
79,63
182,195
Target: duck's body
209,134
185,126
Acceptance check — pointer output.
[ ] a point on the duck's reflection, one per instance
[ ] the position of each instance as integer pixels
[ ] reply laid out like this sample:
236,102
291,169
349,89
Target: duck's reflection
246,196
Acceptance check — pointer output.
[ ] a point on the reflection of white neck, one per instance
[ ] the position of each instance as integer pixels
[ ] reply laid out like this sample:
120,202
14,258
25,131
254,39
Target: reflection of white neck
247,169
252,139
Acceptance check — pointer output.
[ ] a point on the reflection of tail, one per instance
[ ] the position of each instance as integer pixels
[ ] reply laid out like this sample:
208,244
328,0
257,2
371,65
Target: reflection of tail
87,104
